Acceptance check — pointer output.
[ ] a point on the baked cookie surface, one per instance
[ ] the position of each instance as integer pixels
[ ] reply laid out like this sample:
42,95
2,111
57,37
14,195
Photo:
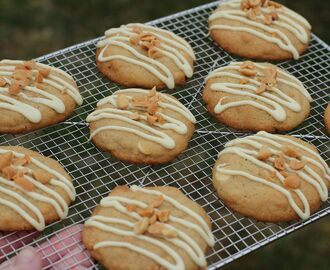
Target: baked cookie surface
138,55
141,126
34,95
327,118
34,190
259,29
251,96
271,178
148,228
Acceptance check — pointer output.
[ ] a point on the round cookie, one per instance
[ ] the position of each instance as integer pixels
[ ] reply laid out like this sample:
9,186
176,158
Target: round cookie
34,95
327,118
148,228
251,96
138,55
271,178
34,190
259,29
141,126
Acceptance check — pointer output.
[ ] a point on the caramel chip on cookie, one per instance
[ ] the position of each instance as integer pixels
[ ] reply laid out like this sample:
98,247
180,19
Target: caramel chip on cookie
259,30
120,239
141,126
34,96
268,99
277,187
28,184
138,55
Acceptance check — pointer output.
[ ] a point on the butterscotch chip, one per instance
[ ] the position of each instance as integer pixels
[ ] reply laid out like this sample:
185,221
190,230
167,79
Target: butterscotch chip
279,163
160,118
169,233
248,65
284,173
268,19
122,102
45,72
244,81
151,119
42,176
248,72
141,226
264,153
134,116
140,101
130,207
156,229
296,164
2,82
25,184
14,88
134,40
157,201
146,212
5,159
291,152
153,219
9,172
163,215
251,14
261,89
29,64
39,78
292,181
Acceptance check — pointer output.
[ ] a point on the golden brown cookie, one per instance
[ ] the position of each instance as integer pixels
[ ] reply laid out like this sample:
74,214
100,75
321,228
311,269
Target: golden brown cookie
34,190
251,96
141,126
271,177
148,228
327,118
34,95
138,55
259,29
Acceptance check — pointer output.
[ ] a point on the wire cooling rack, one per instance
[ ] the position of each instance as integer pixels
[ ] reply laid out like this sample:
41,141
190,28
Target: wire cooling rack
96,173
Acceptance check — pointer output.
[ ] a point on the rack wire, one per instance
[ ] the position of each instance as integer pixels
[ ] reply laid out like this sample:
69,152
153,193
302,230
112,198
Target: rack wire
96,173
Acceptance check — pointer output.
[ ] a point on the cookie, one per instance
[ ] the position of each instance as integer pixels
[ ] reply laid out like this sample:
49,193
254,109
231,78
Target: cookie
327,118
34,95
138,55
271,178
141,126
259,29
34,190
251,96
148,228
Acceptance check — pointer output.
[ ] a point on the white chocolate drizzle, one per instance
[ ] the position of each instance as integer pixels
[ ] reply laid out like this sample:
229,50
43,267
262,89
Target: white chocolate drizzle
288,20
47,194
183,240
28,93
143,129
275,144
273,102
170,47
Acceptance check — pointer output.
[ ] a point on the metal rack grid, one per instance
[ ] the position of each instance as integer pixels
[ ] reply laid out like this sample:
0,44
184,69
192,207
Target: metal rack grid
96,173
